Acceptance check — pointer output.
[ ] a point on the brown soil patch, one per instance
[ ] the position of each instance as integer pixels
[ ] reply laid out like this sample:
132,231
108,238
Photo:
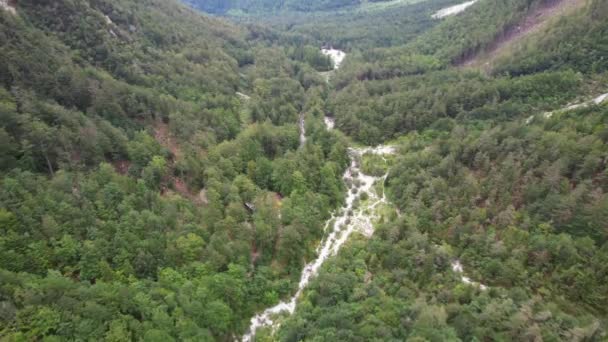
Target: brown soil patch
532,23
163,136
181,187
121,166
175,185
255,254
178,184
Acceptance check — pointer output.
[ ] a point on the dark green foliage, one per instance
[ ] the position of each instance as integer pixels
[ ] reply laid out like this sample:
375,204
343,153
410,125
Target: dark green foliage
459,36
259,6
382,93
522,202
128,165
586,48
153,186
524,205
374,111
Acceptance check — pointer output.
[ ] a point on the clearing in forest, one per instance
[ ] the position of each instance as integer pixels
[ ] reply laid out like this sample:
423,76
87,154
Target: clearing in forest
533,22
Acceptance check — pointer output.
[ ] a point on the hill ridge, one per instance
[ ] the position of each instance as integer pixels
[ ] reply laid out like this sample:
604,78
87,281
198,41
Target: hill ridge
546,13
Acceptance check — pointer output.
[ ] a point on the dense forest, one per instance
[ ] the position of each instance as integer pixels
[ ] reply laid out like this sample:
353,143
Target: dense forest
155,185
265,6
490,172
129,167
384,92
523,204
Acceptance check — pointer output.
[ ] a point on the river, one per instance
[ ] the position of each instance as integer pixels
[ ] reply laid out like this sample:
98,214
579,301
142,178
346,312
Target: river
337,56
302,126
354,216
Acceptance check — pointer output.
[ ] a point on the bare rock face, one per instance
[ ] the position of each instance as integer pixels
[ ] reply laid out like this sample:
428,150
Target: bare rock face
355,216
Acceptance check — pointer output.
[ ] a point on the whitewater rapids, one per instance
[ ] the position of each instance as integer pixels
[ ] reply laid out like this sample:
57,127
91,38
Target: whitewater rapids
337,56
453,10
345,221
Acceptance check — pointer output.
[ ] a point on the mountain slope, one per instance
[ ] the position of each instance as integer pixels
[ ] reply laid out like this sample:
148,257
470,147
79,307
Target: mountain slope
166,176
523,204
261,6
487,182
575,41
535,20
382,93
130,165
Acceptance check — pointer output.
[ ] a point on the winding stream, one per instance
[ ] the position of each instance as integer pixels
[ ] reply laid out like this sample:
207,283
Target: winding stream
330,123
337,57
356,215
458,269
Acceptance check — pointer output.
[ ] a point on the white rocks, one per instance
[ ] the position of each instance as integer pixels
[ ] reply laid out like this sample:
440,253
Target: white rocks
596,101
337,56
302,125
350,218
575,106
457,266
453,10
383,149
243,96
330,123
600,99
5,5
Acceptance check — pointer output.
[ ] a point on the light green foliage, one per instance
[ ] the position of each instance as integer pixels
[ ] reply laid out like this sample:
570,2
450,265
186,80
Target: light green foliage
142,199
154,172
135,204
416,102
190,247
375,165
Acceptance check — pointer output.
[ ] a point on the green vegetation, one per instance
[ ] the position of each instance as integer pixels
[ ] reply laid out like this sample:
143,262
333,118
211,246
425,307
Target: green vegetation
260,6
383,93
587,45
375,165
136,204
369,25
524,206
522,202
153,186
377,110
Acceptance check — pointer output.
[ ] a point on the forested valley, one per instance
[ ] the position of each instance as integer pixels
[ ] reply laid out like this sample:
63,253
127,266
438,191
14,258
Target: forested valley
261,7
166,174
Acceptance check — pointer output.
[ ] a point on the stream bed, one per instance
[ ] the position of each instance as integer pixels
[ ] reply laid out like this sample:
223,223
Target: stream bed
356,215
